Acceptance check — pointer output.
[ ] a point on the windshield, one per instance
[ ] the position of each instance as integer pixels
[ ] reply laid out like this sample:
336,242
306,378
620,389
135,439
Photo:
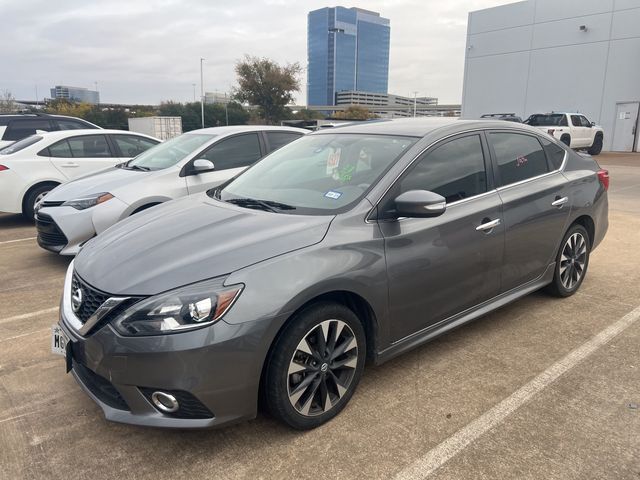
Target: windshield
316,174
557,120
169,153
20,145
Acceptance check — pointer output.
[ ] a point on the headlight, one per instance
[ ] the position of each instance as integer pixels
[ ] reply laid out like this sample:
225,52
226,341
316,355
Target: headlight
88,201
185,308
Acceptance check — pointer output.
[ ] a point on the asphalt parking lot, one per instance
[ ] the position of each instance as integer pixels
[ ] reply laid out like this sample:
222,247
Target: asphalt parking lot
543,388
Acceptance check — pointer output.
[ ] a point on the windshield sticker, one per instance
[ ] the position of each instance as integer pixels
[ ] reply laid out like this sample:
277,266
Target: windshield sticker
333,160
333,194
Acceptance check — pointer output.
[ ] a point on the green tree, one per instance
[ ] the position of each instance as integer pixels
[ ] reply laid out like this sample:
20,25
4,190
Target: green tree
354,112
267,85
214,114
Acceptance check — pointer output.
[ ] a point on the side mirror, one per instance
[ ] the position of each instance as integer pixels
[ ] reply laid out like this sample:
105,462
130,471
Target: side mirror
202,165
593,124
420,204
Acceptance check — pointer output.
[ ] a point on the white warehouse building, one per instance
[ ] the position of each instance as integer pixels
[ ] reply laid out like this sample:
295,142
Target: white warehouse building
540,56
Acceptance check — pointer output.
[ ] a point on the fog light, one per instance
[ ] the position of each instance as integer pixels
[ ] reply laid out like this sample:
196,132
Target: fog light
165,402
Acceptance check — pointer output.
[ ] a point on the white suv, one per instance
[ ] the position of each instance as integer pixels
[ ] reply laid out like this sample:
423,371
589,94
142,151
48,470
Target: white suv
572,129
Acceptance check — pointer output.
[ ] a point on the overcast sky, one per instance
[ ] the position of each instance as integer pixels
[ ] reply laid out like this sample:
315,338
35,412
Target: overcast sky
146,52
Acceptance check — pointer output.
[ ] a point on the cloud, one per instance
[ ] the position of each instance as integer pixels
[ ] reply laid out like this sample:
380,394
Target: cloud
146,52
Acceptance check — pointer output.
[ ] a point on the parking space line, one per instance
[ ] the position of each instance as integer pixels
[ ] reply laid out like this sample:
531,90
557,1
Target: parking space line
18,240
452,446
28,315
26,334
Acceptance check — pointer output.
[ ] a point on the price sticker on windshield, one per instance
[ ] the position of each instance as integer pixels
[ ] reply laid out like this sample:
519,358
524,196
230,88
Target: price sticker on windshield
333,160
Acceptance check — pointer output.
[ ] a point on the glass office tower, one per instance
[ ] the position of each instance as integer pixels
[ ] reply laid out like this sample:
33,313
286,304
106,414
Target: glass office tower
347,50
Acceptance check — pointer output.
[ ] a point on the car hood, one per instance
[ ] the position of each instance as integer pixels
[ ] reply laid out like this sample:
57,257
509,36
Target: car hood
103,181
188,240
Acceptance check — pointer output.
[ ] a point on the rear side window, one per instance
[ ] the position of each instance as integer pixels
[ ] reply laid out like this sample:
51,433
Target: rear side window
72,124
58,150
19,129
89,146
20,145
234,152
555,153
455,170
519,157
131,145
279,139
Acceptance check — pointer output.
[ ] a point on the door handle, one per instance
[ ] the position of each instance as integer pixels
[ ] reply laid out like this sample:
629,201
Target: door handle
69,165
488,225
559,202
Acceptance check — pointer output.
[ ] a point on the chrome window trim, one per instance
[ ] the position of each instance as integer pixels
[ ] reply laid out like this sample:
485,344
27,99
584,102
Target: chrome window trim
368,218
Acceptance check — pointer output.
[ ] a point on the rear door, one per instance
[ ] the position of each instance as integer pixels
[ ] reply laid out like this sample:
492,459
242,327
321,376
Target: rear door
536,203
438,267
230,156
76,156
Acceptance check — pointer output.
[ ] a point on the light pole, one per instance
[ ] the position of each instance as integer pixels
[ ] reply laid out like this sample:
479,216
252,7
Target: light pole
194,92
415,99
201,92
226,108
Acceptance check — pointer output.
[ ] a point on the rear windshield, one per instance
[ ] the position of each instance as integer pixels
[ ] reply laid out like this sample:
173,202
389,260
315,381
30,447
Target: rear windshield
20,145
552,120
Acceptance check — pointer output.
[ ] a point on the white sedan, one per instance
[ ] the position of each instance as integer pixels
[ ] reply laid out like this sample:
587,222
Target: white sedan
32,167
193,162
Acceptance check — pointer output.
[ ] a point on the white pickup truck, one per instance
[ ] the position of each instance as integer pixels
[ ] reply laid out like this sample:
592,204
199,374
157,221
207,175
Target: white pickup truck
572,129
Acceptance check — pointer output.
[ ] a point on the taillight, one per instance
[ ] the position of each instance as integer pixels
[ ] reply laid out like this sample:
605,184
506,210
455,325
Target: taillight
3,167
603,176
551,131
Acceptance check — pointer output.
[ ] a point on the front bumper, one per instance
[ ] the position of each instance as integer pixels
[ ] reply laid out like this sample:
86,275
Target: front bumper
78,226
214,371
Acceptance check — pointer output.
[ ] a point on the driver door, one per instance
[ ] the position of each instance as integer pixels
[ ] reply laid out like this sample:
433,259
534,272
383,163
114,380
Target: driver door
230,156
439,267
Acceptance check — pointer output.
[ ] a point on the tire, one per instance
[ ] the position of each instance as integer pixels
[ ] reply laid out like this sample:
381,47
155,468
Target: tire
304,387
33,196
572,261
566,139
596,148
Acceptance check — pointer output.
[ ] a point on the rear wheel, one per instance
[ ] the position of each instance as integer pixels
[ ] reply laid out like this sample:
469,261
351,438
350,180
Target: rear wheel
596,148
566,139
315,365
572,261
33,197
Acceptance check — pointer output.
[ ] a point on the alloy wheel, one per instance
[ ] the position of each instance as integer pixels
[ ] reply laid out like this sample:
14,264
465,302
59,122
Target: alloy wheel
322,367
573,260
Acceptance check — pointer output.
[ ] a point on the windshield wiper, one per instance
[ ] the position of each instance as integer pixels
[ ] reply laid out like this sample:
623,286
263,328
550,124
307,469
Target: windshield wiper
266,205
137,167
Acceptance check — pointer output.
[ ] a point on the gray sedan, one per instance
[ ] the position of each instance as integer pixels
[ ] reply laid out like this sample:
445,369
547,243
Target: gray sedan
351,244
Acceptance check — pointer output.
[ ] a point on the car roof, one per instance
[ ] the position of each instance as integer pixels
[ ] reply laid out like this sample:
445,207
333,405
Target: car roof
420,127
60,134
227,130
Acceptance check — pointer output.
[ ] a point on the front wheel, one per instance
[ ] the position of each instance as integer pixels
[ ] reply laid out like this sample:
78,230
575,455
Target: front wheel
572,261
315,365
596,148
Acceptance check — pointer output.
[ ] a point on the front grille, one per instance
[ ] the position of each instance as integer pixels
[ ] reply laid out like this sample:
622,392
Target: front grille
102,388
50,203
49,235
91,298
190,406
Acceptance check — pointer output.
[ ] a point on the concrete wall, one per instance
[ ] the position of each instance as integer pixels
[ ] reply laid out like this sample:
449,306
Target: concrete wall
531,57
